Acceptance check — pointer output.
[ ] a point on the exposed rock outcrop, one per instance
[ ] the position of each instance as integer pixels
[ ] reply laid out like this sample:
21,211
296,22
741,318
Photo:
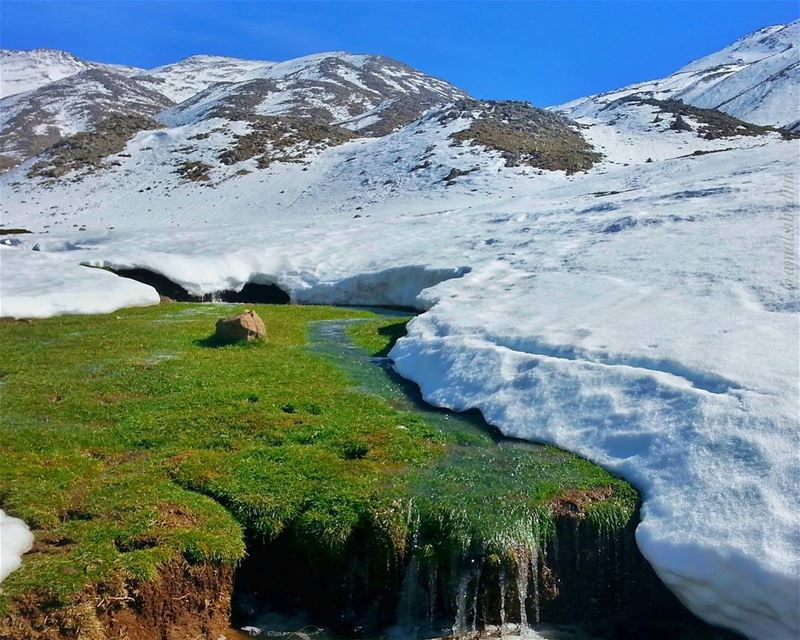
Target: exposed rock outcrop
523,134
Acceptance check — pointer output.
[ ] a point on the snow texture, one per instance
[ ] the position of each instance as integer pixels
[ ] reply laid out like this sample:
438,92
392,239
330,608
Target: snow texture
641,316
351,90
22,71
38,285
15,540
71,105
181,80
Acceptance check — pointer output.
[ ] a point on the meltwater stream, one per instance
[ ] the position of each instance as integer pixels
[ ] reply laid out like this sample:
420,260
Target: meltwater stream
376,375
609,592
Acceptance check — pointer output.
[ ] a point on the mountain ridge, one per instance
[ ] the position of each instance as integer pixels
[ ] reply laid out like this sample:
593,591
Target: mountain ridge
243,138
755,79
28,69
367,93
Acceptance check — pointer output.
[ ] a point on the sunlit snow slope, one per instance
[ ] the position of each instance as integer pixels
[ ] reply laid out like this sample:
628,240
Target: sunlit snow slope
181,80
49,94
22,71
755,79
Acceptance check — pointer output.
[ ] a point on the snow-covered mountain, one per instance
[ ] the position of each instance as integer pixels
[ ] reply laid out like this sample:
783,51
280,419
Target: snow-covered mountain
369,94
181,80
297,163
22,71
57,94
755,79
34,120
628,285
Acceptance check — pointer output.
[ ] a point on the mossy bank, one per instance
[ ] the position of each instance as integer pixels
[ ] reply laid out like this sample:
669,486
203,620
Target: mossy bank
148,461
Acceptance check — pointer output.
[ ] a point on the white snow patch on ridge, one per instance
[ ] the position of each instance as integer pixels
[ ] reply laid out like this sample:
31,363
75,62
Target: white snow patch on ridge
757,79
22,71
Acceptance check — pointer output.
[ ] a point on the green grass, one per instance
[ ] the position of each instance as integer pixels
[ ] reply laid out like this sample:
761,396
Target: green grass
378,335
128,442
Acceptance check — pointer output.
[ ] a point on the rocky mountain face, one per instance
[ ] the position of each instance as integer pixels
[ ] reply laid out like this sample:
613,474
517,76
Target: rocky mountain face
54,94
32,121
755,79
369,94
181,80
523,134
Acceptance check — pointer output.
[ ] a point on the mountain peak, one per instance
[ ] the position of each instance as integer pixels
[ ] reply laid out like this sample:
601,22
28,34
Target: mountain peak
370,94
755,79
29,69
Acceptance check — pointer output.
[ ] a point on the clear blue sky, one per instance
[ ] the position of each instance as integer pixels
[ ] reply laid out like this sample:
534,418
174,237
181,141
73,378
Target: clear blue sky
544,52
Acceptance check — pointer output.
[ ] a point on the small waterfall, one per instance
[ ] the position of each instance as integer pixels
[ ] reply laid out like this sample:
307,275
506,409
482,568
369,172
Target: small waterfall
475,598
408,607
350,580
555,549
625,571
503,586
426,567
602,543
460,625
431,594
522,589
619,571
535,580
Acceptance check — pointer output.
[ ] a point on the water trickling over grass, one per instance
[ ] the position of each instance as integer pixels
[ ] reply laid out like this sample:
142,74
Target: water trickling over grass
493,493
127,442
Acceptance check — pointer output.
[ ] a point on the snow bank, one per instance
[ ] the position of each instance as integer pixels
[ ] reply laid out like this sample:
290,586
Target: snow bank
618,371
393,287
15,539
38,285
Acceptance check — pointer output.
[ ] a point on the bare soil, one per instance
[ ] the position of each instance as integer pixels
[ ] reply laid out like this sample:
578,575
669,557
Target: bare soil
185,602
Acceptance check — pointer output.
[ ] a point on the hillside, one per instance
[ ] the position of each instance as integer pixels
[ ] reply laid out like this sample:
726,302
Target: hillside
37,119
370,94
183,79
64,95
755,79
28,70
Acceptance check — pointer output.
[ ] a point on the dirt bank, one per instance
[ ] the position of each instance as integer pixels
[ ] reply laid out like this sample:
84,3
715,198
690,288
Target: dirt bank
184,602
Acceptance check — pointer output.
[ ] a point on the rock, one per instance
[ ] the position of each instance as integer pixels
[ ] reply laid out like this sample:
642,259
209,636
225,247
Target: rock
245,326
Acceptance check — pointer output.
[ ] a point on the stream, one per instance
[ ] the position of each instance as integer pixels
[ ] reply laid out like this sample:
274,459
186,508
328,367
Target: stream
635,603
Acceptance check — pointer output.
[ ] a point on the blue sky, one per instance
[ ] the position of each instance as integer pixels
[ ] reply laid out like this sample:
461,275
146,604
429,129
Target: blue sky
544,52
